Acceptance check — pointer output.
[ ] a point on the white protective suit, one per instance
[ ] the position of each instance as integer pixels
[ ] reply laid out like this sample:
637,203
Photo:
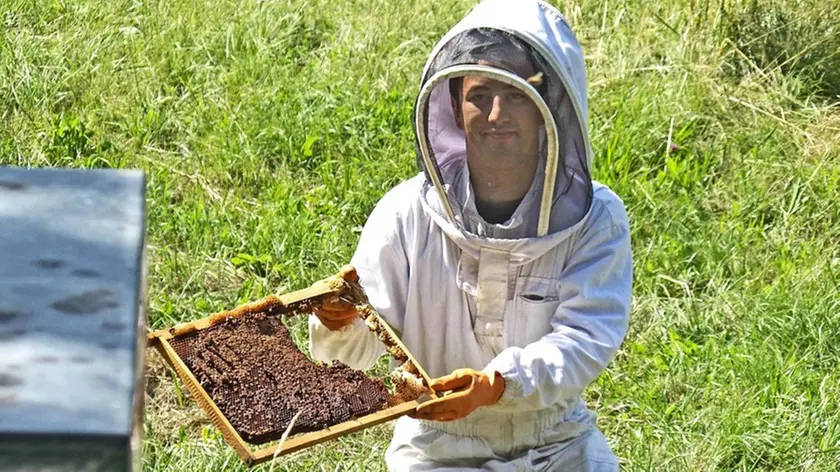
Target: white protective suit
547,312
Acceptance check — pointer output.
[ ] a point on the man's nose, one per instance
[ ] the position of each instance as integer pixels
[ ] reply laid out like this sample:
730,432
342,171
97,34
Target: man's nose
498,113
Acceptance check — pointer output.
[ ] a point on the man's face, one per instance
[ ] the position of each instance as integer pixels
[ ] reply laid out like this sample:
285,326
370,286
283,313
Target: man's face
502,125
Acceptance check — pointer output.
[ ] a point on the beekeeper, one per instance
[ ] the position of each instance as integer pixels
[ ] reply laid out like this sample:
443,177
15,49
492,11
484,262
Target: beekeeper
504,268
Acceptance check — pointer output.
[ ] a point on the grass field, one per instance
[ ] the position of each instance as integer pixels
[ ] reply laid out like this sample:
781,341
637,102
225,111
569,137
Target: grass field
269,129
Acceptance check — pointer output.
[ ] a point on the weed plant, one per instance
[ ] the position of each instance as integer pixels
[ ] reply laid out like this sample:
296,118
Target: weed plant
269,129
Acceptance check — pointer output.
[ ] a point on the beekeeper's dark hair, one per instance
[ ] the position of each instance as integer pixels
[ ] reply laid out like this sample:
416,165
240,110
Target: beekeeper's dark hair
493,46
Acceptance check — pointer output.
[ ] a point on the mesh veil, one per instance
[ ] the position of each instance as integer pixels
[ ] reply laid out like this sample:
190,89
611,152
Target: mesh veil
447,143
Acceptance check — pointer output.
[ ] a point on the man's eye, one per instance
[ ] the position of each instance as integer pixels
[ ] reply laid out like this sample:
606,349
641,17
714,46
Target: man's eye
478,97
518,96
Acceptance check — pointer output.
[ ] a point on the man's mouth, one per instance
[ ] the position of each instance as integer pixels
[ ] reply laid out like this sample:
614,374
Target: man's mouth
500,135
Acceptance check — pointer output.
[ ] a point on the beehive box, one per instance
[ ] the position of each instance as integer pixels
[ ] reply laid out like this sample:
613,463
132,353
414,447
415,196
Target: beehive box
243,369
72,319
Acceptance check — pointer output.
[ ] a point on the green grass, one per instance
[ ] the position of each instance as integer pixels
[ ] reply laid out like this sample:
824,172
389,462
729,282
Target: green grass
269,129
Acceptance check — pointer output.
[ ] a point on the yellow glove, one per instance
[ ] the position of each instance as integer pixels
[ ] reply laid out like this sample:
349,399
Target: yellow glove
470,390
336,315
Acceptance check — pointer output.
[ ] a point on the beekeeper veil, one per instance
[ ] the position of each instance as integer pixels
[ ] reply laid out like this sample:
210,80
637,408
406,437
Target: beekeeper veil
488,43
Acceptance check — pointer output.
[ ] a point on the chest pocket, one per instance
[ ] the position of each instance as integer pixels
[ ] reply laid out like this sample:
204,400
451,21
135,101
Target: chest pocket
535,302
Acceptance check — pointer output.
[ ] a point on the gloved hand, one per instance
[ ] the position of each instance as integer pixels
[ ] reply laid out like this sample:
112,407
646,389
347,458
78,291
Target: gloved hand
470,390
336,315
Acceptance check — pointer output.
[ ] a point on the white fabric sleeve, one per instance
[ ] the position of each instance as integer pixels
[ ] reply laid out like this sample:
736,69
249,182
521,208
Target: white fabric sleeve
354,345
587,328
383,274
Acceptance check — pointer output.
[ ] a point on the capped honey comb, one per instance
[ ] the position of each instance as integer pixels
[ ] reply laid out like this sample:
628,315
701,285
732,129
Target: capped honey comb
259,379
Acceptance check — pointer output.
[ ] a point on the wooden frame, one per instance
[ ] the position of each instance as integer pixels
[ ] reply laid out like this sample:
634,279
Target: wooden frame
337,286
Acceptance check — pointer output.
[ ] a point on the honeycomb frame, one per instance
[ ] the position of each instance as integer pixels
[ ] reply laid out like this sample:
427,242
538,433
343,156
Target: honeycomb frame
409,379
